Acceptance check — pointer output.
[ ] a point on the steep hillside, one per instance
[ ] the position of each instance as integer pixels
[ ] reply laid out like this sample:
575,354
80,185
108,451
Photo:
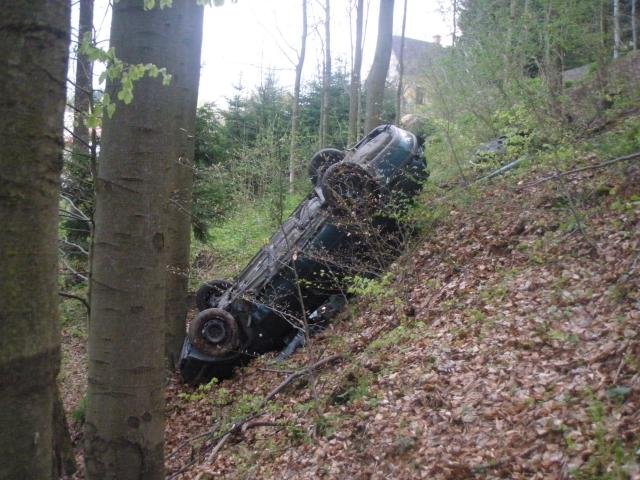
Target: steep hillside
505,344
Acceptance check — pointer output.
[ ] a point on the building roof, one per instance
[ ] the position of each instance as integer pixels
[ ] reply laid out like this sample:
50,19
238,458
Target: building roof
418,54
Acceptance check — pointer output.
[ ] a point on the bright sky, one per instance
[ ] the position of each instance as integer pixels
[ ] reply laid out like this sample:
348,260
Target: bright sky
242,41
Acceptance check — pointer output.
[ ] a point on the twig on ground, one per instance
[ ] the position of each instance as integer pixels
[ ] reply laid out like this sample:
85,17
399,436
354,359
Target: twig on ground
625,158
242,427
189,441
298,374
250,421
275,370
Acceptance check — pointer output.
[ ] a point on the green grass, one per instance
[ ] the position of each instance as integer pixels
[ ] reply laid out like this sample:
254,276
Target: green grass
622,140
611,458
73,314
237,239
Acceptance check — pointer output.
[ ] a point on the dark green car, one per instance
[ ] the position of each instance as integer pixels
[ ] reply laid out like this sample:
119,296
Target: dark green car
345,227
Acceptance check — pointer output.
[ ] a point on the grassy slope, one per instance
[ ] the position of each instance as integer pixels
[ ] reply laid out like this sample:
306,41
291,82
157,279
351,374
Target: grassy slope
508,346
236,240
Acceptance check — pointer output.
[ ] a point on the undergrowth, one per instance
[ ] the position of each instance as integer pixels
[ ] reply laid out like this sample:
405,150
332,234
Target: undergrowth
234,241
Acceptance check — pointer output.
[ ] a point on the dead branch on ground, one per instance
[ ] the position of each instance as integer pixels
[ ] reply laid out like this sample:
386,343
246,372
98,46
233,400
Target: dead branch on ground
598,166
251,421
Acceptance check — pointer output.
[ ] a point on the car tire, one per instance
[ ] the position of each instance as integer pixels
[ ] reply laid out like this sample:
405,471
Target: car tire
323,160
214,332
209,291
347,187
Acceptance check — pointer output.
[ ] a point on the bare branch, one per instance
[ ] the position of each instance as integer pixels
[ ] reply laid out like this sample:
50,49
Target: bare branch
625,158
79,212
298,374
76,137
74,245
77,297
71,269
250,421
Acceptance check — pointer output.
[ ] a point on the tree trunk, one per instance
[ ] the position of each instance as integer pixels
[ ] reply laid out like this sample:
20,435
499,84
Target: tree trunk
326,77
354,94
295,107
83,91
509,57
186,77
634,25
401,66
616,28
125,413
64,460
380,67
81,167
34,46
454,32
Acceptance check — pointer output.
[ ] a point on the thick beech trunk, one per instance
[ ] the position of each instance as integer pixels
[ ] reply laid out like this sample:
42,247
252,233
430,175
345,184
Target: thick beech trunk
379,69
186,77
64,459
124,429
34,42
295,107
354,93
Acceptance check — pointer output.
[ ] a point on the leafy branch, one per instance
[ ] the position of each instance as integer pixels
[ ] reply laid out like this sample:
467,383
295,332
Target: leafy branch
151,4
117,70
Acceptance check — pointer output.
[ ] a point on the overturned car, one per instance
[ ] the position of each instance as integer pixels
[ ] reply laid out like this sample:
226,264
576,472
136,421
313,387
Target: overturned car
344,227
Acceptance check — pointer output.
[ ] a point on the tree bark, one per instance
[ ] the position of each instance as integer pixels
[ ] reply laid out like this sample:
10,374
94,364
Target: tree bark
326,77
124,429
64,460
454,33
184,90
509,57
295,107
616,29
380,67
83,90
34,43
401,66
634,25
354,94
81,168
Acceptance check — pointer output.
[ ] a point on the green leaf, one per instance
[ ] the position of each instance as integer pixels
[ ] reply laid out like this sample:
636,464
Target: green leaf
114,71
152,70
149,4
108,105
92,121
111,108
166,79
126,95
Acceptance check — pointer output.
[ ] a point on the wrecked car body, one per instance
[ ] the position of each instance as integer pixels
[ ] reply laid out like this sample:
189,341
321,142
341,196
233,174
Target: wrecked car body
297,280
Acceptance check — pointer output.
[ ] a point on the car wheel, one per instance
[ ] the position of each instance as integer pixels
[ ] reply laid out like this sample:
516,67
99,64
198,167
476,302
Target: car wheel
323,160
214,332
347,187
208,292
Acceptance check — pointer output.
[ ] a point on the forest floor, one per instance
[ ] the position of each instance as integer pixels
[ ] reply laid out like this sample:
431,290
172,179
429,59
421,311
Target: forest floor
505,344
